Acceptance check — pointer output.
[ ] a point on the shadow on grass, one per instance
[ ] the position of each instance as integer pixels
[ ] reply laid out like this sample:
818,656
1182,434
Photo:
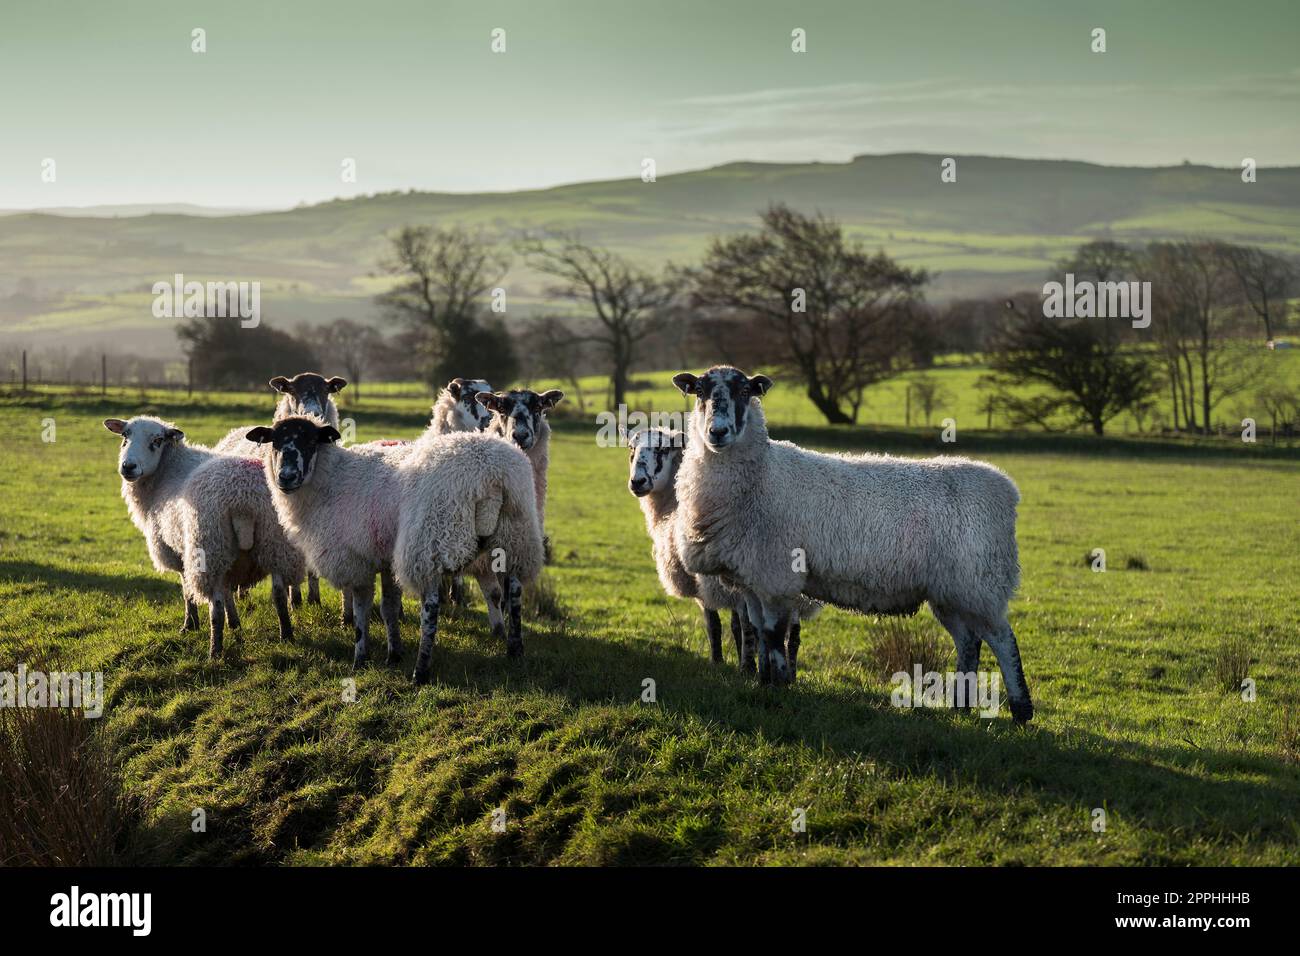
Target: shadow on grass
1163,788
153,587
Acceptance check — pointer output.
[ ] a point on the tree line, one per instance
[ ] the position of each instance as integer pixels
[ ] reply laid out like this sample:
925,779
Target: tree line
800,296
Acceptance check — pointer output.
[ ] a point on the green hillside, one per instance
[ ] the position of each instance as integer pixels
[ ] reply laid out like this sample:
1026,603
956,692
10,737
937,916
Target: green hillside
997,227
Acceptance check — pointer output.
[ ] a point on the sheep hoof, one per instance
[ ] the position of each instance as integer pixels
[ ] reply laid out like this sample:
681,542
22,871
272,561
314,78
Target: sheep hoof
394,657
420,677
359,663
1022,711
348,620
498,632
514,650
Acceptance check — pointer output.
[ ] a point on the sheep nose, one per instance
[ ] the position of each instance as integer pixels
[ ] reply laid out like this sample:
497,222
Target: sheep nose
717,434
128,470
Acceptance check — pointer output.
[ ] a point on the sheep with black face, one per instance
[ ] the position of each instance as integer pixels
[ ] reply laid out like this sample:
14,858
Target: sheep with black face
453,499
871,533
307,393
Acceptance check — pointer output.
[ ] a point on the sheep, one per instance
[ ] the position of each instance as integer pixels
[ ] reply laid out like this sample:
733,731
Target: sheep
655,455
518,416
206,516
458,409
307,393
451,499
455,410
870,533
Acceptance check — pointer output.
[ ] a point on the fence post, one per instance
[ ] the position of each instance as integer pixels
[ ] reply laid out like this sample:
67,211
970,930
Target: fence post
103,374
24,370
189,387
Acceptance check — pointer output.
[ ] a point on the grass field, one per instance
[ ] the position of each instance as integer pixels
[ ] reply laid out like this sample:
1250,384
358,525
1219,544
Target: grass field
1203,556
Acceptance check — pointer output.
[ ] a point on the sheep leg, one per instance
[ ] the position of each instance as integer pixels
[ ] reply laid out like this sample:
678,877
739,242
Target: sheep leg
736,636
232,613
313,589
792,646
515,594
390,605
348,615
362,599
1003,642
713,629
458,596
773,668
216,623
280,597
191,621
295,594
749,637
494,598
967,643
428,635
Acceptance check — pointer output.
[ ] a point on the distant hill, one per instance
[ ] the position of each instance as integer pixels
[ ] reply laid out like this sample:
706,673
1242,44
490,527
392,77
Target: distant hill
139,209
999,226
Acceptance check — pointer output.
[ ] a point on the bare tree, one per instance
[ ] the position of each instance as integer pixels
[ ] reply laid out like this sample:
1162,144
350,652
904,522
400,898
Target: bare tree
558,352
349,345
836,311
624,300
1265,281
1101,260
1198,301
447,276
928,394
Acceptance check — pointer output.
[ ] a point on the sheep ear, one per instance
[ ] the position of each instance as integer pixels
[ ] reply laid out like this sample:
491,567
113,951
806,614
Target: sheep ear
552,398
115,425
759,384
337,384
685,381
173,434
454,387
488,400
261,435
327,433
279,383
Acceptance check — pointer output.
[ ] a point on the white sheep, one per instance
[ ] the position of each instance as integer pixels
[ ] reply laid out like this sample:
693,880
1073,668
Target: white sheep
454,410
519,416
451,499
307,393
870,533
208,517
655,456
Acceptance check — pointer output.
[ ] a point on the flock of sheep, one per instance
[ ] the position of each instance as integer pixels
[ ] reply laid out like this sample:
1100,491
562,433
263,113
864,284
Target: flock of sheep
738,522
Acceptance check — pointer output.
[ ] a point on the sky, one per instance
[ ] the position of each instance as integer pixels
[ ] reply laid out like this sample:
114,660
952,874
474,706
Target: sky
412,91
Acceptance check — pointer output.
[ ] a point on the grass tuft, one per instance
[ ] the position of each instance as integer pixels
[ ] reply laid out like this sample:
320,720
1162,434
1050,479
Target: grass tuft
542,600
896,647
1231,664
61,802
